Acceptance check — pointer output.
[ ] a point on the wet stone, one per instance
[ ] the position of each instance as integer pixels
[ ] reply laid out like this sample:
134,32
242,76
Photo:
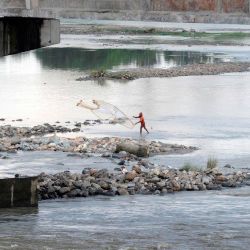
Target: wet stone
78,124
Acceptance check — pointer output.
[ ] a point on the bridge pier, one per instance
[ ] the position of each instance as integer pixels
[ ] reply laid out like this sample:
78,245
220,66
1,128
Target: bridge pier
18,192
19,34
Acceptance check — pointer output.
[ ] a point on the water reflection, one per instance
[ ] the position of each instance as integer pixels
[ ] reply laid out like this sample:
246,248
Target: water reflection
17,214
112,59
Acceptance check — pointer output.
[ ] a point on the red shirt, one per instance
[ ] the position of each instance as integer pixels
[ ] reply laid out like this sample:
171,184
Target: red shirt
142,121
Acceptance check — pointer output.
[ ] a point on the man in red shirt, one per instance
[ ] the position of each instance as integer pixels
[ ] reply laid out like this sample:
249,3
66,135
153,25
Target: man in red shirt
142,121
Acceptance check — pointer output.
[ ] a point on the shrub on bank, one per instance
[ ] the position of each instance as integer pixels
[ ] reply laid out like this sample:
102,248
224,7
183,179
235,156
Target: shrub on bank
189,167
212,163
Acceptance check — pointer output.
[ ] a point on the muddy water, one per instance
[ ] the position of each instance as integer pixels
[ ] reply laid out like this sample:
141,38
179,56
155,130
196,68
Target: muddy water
211,112
201,220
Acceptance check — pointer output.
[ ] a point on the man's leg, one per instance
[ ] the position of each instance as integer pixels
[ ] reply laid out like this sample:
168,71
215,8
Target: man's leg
146,129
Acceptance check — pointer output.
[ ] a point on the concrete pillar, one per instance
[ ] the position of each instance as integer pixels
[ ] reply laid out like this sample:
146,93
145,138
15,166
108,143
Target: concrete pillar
1,38
28,4
219,6
34,4
18,192
31,4
19,34
50,32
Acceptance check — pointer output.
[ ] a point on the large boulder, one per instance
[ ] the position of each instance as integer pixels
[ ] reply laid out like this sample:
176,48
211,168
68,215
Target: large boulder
133,148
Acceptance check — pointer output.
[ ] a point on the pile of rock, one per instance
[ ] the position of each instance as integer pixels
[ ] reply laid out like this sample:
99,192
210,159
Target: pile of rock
85,145
46,128
10,131
156,181
188,70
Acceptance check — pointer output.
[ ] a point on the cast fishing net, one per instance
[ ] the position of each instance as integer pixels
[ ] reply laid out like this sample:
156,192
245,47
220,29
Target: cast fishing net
107,111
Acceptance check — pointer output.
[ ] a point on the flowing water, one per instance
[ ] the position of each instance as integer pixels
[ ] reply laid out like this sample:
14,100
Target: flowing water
211,112
204,220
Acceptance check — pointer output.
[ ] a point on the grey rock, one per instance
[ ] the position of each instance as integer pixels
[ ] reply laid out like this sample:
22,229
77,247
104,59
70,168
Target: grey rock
131,185
131,191
206,180
64,190
84,193
157,192
161,184
155,179
109,193
78,184
76,130
104,184
122,191
74,193
137,169
106,155
51,189
4,157
95,186
122,162
122,154
78,124
212,186
228,166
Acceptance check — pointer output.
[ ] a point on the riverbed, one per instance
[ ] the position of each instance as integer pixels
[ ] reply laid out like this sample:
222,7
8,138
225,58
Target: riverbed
209,112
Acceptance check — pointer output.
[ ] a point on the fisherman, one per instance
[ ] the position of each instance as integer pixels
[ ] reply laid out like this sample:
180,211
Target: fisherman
142,121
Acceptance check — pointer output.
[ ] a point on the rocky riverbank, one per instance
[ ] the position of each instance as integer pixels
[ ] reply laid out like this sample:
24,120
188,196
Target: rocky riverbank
44,129
137,181
194,69
105,145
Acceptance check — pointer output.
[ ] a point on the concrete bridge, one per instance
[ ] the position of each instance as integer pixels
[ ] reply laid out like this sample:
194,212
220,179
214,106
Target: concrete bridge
24,26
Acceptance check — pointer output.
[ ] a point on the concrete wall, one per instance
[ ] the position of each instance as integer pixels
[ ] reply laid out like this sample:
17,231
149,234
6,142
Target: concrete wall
225,6
18,192
215,11
19,34
24,8
218,11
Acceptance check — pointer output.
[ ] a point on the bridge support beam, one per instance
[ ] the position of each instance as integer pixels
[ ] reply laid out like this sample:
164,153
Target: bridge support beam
19,34
18,192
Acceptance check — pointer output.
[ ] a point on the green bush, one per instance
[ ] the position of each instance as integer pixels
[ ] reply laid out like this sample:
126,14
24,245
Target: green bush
212,163
98,73
189,167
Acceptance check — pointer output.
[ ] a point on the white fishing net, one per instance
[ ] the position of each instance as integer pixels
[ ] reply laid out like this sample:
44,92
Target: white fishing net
107,111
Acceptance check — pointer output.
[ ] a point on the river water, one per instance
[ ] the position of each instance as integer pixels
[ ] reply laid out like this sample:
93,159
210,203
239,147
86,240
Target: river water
211,112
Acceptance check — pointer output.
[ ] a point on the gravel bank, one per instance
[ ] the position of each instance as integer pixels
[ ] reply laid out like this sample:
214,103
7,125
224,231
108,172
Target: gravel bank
194,69
86,145
137,181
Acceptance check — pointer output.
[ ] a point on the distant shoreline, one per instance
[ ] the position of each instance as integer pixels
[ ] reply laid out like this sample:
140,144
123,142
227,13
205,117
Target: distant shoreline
189,70
182,36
